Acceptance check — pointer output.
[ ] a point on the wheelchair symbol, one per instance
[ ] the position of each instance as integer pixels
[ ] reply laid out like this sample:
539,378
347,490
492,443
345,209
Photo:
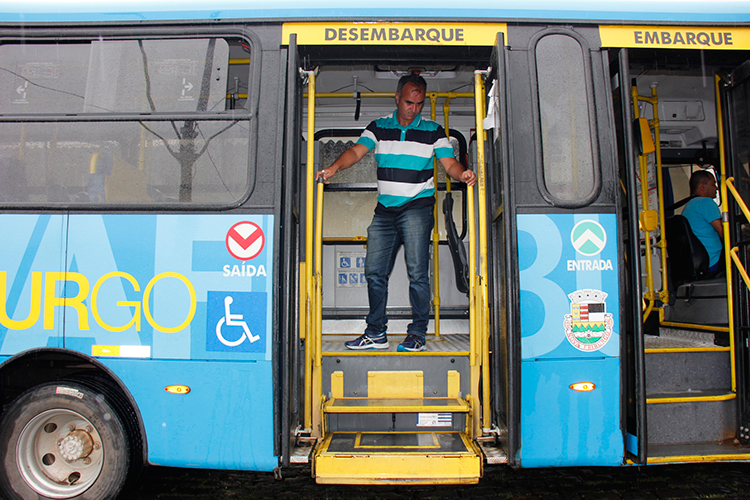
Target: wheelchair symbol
233,320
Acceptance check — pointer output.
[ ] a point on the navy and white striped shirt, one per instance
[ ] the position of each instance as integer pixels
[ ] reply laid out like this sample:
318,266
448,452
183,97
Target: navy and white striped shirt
404,156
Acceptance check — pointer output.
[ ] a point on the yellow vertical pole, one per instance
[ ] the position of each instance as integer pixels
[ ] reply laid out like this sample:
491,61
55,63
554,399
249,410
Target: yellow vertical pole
656,125
481,327
317,325
307,267
643,164
483,265
725,225
435,232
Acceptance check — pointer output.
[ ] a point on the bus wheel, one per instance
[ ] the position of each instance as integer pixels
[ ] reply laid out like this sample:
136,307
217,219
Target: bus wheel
62,440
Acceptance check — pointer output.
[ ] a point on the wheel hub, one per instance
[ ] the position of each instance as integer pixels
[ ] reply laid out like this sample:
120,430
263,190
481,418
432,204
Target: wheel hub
76,445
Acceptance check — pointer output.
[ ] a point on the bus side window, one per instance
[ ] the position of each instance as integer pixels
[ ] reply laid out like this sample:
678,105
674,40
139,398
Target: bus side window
569,169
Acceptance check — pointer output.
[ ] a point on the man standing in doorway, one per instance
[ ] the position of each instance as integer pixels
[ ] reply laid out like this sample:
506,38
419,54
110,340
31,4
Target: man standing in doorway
404,145
704,216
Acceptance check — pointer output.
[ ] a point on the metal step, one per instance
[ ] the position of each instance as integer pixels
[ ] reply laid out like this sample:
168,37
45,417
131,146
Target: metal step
688,389
727,451
687,361
691,417
397,458
395,400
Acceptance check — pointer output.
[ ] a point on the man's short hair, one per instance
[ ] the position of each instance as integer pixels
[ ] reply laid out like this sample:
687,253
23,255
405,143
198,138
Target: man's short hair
414,78
699,177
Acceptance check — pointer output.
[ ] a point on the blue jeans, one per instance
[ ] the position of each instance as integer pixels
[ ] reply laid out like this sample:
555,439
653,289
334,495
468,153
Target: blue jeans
413,229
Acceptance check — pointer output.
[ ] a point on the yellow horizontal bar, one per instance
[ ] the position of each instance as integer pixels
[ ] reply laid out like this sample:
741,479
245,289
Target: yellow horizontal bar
733,457
688,399
738,197
239,96
395,467
240,61
688,326
687,349
331,239
390,94
393,406
378,353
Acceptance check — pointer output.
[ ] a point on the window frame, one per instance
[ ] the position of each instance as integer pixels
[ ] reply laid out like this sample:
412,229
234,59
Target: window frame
537,123
247,113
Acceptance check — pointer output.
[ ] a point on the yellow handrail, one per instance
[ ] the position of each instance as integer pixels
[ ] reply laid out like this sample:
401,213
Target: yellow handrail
649,295
318,311
391,94
435,232
725,225
482,306
309,304
735,251
738,197
662,244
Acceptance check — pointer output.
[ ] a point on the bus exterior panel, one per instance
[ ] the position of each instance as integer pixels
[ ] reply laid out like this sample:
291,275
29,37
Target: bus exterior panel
137,291
570,342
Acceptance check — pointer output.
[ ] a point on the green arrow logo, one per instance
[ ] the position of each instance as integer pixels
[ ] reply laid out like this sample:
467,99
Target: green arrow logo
588,237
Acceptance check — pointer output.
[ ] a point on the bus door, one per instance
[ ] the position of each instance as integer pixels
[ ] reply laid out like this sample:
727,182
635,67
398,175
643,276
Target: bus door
736,192
389,415
503,357
565,232
683,376
635,402
290,365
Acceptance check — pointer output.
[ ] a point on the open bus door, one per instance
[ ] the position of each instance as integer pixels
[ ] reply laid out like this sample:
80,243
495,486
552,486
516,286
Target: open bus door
503,358
385,416
685,374
735,191
288,370
633,360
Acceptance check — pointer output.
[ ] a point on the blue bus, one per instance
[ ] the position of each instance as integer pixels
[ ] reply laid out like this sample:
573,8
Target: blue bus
177,289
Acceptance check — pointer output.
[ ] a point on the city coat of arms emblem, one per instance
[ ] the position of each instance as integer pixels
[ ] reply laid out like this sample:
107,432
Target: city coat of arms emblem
588,327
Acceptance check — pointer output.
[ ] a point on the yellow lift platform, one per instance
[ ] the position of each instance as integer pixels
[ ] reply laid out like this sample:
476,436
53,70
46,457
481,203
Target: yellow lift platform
389,417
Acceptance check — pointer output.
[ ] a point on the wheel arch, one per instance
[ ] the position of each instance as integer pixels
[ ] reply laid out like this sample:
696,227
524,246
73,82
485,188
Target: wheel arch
30,368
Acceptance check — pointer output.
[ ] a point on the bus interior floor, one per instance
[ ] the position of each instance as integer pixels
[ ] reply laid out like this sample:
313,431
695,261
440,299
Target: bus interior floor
673,338
452,340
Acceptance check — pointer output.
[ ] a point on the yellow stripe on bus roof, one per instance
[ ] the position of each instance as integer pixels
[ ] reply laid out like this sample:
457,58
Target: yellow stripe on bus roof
676,37
393,33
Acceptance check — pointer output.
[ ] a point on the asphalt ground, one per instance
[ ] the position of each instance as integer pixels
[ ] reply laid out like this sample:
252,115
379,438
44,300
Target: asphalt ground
662,482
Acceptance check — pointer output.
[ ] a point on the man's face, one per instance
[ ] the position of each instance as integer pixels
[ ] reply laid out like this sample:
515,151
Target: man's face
409,103
709,189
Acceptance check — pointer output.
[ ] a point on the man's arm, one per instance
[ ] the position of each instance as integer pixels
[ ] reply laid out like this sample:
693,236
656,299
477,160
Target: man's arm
346,160
457,171
719,228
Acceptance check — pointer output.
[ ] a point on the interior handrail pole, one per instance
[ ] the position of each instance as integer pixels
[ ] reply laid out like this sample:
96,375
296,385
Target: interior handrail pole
435,230
725,225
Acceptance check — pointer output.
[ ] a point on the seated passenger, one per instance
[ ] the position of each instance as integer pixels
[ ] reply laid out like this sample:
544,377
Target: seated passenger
704,216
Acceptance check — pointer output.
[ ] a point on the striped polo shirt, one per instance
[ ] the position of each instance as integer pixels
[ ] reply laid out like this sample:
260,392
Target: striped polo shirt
404,156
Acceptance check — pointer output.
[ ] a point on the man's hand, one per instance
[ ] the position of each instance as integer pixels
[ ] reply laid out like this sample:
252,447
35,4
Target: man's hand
326,174
469,177
346,160
457,172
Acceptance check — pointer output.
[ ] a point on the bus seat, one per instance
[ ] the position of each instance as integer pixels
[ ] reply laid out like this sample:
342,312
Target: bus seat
696,296
688,259
458,251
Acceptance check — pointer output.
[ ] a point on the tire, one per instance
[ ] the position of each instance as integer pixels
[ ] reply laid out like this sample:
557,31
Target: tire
62,440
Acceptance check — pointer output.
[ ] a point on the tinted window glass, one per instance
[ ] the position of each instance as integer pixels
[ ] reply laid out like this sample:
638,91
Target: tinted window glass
564,112
96,159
